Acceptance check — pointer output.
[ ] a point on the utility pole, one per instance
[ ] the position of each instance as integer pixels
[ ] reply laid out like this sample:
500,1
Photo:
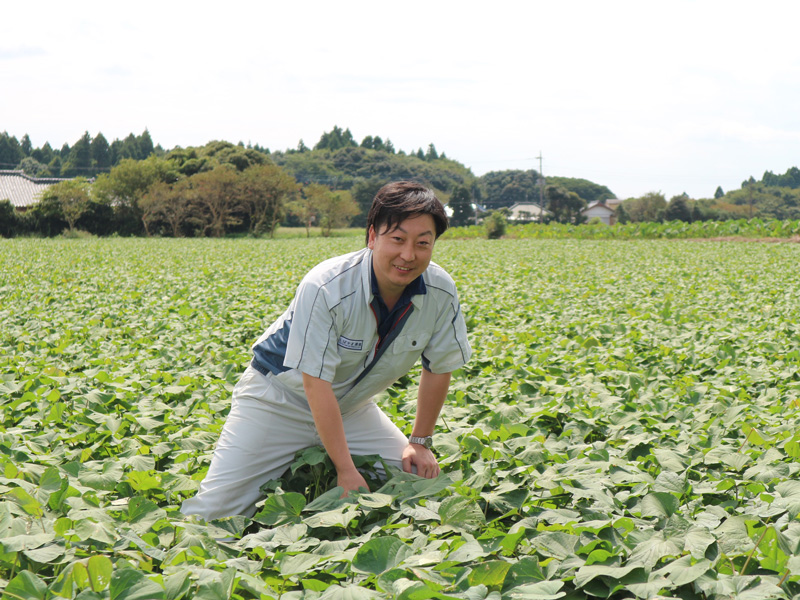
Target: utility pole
541,187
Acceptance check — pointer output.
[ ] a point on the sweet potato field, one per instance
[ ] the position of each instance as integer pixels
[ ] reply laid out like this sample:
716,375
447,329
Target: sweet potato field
627,428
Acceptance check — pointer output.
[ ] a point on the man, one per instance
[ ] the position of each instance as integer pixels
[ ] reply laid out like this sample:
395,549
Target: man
357,323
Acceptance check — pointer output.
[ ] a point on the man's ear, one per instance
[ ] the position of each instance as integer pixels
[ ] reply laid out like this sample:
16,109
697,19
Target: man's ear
371,238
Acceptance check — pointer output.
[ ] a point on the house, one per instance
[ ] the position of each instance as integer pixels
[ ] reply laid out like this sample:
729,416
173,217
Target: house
23,190
526,211
600,210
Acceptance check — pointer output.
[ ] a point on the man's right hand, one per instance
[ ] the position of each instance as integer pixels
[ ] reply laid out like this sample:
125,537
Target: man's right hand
351,481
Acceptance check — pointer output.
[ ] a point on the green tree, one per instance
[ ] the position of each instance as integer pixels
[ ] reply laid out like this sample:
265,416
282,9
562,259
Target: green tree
125,185
100,154
10,151
461,205
719,193
44,154
335,209
72,197
216,197
431,154
678,209
495,224
335,139
622,214
363,192
169,203
54,166
8,219
31,166
648,208
513,193
565,206
264,191
25,145
79,161
304,207
144,144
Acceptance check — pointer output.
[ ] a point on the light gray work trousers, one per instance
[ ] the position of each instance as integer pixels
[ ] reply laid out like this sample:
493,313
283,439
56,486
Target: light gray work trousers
263,432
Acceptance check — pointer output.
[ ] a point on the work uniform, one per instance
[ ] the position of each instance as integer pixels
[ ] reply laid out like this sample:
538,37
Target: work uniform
337,329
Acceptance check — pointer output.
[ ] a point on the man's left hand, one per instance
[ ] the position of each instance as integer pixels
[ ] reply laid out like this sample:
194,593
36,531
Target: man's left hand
422,458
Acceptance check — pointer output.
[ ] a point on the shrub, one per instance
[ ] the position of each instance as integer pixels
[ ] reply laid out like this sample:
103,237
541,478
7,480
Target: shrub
495,225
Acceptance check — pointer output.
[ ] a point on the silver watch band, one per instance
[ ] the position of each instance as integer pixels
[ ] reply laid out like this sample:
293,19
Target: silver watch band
426,441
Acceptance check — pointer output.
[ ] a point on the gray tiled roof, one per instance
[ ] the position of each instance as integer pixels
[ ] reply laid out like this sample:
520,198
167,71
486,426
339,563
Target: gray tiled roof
22,190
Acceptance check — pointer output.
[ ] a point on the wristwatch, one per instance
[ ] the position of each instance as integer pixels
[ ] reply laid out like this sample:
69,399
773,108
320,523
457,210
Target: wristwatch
426,441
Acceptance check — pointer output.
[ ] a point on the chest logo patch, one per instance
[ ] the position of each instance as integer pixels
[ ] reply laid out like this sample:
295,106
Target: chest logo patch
349,344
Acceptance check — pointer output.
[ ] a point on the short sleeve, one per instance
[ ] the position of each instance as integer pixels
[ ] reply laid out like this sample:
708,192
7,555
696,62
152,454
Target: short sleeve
311,344
448,349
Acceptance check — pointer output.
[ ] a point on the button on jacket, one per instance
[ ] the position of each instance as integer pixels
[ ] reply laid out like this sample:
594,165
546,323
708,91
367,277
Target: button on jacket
330,331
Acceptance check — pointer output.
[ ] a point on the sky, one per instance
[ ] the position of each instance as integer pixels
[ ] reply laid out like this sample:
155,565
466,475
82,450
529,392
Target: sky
641,96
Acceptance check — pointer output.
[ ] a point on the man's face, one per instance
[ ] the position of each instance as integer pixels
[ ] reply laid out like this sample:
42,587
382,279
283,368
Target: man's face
401,255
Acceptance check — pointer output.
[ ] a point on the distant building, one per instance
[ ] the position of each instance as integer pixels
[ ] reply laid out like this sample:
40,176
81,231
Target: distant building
600,210
526,211
23,190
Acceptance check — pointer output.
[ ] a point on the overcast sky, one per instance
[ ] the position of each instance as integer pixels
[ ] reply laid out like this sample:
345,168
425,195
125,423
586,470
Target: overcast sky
674,96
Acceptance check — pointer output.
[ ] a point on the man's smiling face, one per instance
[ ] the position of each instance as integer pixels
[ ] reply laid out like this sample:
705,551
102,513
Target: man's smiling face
401,255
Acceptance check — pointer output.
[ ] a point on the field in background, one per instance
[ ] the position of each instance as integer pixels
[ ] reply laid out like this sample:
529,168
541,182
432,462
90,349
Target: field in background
628,426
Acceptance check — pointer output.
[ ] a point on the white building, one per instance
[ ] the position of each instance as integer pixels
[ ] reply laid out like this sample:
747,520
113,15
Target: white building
600,210
526,211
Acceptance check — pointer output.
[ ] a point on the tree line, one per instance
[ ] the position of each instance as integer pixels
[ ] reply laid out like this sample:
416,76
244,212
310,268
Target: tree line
138,188
216,191
88,157
753,200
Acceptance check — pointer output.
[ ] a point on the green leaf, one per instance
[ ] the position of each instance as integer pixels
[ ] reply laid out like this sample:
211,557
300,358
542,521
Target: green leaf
461,512
555,544
99,569
26,502
670,483
339,517
587,573
543,590
176,586
25,585
375,500
525,570
129,584
106,479
350,592
45,554
649,552
293,564
684,570
215,586
658,504
279,509
51,480
380,554
697,542
142,481
492,574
